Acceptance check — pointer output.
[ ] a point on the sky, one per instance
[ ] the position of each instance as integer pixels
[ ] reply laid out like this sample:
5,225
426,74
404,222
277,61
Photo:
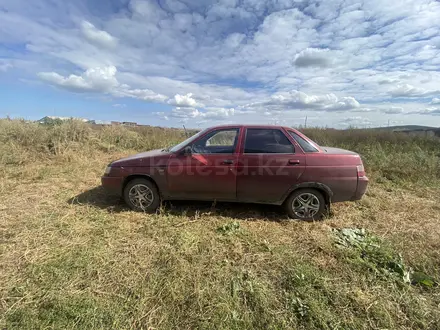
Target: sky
201,63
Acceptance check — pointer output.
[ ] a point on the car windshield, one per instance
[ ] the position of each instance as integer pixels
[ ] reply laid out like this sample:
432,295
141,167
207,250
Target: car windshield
186,142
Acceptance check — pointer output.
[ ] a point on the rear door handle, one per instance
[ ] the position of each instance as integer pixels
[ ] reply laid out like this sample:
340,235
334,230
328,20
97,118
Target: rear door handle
294,162
227,162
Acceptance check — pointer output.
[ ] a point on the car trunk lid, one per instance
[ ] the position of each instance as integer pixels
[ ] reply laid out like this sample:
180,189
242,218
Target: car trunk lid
338,151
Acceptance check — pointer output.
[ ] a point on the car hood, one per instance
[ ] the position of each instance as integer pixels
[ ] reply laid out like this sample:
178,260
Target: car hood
149,158
337,151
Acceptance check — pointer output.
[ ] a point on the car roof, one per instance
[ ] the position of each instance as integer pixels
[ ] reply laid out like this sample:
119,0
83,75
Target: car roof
249,126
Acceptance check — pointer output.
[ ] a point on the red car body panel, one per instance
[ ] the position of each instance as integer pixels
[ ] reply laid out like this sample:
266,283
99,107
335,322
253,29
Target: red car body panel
244,177
266,178
202,177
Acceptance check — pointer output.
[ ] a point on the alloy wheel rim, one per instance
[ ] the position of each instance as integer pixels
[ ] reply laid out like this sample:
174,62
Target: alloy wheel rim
306,205
141,196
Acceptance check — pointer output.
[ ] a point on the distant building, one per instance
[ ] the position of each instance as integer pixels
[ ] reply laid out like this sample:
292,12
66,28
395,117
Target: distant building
52,119
99,122
56,119
128,123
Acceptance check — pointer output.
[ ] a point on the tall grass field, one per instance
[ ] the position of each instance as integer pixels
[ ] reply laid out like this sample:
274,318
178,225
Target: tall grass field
72,257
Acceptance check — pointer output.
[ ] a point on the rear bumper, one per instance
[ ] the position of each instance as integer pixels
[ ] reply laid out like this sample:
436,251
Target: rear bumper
112,185
361,188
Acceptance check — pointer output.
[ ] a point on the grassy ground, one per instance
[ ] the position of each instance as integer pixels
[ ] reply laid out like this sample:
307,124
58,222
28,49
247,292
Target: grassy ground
72,257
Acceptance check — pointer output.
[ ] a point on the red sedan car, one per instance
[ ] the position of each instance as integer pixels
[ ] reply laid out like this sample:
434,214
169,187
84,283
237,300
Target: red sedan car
242,163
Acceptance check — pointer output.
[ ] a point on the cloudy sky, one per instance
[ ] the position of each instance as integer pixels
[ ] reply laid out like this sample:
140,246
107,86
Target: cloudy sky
203,62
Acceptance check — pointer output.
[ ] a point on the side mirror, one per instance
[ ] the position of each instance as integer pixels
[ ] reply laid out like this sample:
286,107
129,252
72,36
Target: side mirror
187,150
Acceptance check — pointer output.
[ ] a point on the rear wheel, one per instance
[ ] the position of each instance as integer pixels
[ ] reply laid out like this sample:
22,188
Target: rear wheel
142,195
306,205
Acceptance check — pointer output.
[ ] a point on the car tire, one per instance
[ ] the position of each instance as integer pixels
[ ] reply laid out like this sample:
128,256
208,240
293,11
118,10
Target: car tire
142,195
306,205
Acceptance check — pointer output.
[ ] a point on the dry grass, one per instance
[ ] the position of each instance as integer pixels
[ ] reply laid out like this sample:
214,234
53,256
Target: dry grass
72,257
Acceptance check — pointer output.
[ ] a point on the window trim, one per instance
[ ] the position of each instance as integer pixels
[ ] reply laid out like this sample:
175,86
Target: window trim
266,153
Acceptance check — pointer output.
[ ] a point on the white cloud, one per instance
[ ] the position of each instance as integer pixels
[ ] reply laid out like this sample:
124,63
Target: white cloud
407,90
187,113
141,94
435,100
72,82
147,10
387,81
100,80
393,110
296,100
184,101
101,38
5,66
218,113
208,94
428,111
312,57
359,122
93,80
344,103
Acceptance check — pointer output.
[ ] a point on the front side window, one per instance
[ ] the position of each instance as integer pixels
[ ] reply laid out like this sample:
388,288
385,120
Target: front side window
186,142
267,141
305,145
217,142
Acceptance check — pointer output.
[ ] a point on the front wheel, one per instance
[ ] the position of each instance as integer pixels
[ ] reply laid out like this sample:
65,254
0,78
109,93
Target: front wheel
306,205
142,195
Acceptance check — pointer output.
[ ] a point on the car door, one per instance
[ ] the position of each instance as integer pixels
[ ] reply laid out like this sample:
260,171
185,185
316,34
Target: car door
208,171
268,166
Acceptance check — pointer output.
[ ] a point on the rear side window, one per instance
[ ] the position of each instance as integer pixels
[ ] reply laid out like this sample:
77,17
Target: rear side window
305,145
267,141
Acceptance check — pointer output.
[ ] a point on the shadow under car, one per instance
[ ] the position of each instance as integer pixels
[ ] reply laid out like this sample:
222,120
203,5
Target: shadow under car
99,197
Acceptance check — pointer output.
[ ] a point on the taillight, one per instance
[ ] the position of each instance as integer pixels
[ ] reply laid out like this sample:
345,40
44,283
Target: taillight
360,171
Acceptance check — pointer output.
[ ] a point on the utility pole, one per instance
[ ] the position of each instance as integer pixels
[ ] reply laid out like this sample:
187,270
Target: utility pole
305,123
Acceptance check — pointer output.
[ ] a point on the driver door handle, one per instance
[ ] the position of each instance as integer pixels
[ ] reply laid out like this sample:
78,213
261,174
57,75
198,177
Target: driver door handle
294,162
227,162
